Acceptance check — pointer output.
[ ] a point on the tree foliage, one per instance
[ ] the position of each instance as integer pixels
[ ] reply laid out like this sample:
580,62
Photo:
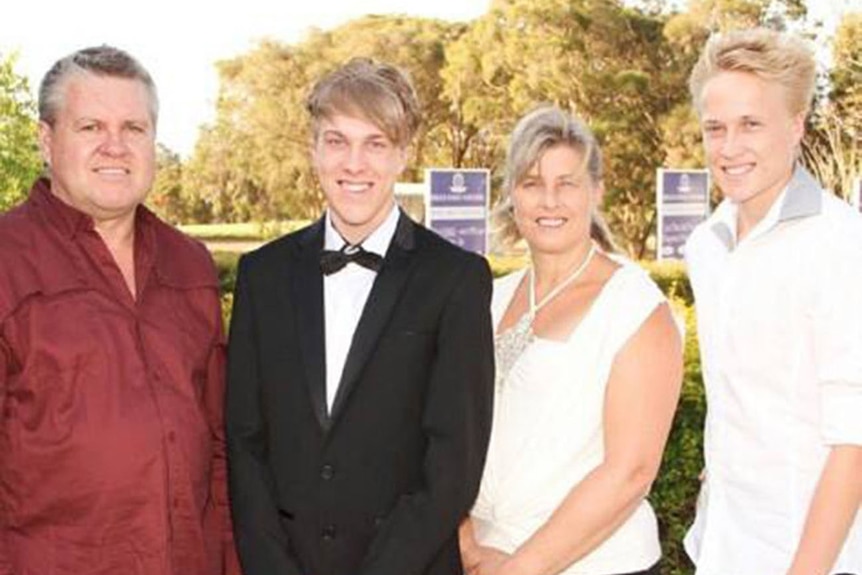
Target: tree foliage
19,155
623,68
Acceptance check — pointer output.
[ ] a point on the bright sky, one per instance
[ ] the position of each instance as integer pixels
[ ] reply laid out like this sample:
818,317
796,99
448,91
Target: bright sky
178,41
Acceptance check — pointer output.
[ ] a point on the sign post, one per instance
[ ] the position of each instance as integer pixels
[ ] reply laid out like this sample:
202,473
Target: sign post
457,209
682,201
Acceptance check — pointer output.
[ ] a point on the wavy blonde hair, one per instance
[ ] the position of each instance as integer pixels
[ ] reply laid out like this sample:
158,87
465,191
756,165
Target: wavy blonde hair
770,55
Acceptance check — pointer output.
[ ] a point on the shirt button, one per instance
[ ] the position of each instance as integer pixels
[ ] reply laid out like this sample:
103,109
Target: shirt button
327,472
328,533
171,437
176,502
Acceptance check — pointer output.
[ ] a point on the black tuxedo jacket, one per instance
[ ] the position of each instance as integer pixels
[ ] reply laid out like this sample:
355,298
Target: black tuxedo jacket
378,486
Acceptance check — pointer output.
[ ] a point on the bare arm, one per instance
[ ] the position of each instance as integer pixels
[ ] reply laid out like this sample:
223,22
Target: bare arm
641,398
834,507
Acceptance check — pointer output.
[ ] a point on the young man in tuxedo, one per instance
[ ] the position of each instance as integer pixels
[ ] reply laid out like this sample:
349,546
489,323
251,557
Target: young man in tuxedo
360,363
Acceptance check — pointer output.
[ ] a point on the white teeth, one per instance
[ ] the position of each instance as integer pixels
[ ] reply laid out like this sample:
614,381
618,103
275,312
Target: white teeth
112,171
355,187
738,170
551,222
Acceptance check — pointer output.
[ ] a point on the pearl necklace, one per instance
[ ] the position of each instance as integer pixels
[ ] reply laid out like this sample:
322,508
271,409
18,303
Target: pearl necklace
509,345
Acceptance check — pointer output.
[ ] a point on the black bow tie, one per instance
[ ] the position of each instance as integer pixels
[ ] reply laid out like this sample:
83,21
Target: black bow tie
332,261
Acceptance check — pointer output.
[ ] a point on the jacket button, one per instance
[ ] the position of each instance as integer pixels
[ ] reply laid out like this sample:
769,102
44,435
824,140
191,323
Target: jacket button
328,533
327,472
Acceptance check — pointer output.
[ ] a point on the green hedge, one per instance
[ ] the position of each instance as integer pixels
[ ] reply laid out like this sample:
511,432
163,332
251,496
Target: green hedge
674,492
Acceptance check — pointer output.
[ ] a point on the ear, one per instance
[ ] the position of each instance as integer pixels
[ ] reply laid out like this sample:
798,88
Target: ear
798,127
45,137
599,194
403,158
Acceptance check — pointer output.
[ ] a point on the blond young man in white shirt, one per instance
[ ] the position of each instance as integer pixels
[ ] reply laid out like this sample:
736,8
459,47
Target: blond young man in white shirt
777,273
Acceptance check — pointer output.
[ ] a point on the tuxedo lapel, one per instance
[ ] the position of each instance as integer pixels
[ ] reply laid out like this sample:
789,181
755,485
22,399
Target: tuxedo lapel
307,286
375,315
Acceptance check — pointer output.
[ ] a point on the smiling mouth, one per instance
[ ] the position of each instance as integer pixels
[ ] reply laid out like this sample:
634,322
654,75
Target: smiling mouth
112,171
550,222
354,187
738,170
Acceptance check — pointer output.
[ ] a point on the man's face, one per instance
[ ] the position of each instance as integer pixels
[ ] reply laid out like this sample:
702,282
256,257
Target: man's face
357,165
750,136
101,148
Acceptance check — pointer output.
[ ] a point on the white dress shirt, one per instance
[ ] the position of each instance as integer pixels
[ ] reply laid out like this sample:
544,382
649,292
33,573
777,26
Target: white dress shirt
344,295
780,328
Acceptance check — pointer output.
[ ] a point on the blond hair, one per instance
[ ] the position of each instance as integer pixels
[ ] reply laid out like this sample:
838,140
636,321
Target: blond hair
770,55
370,90
540,130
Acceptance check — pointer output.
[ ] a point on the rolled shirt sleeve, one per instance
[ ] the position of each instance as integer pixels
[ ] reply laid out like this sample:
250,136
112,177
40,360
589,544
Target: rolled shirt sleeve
837,319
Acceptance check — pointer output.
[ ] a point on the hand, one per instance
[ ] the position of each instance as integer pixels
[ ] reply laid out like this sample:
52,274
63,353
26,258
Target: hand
490,561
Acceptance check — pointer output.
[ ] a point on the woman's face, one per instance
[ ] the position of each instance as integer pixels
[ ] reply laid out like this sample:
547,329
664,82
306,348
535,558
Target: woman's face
554,202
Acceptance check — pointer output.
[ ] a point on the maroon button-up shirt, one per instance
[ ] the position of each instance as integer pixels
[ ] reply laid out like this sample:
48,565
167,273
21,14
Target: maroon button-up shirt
111,443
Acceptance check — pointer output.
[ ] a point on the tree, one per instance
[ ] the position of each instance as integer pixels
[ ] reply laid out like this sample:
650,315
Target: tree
252,163
833,146
19,154
605,62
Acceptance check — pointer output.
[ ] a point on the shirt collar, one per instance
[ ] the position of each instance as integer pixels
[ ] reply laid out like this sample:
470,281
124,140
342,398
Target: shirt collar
61,216
801,198
378,241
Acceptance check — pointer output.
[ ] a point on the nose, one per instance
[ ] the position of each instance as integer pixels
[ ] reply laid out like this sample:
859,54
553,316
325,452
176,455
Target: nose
550,196
114,143
355,160
731,144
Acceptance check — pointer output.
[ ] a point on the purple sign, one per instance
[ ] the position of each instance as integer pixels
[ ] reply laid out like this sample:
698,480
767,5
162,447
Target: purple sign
684,187
682,201
468,234
458,206
675,232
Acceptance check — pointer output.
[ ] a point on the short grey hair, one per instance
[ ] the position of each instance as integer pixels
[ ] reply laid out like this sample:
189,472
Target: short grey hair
97,60
537,132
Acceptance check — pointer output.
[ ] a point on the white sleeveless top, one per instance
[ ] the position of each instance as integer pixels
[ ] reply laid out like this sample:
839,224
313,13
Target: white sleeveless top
547,427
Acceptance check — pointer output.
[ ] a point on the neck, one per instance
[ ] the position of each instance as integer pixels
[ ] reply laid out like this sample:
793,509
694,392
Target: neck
117,233
753,210
354,235
551,269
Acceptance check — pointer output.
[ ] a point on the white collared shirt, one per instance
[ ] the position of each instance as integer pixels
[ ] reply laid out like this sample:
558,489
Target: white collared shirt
344,295
780,329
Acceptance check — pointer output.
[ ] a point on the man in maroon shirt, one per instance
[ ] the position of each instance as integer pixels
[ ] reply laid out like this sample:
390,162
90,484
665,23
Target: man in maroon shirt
111,350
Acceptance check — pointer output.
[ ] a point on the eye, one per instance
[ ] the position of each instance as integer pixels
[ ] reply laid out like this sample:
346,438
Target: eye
378,145
89,127
712,129
136,128
333,141
751,124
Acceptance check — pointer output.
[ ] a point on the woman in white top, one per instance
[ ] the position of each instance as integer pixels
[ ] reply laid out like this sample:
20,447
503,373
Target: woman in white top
589,368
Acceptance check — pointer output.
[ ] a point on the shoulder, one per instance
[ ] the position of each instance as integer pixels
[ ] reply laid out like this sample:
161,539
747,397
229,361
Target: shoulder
450,260
633,281
286,245
18,257
16,229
